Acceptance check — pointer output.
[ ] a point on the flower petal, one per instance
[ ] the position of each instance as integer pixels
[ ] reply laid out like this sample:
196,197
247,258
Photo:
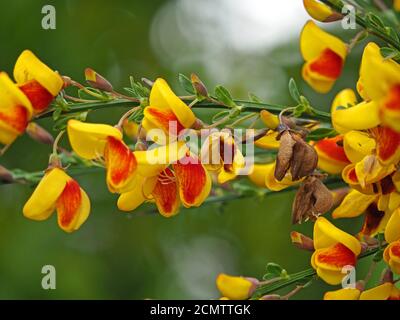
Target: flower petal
354,204
166,195
392,231
121,165
343,294
331,156
163,98
42,203
194,182
381,292
29,67
388,145
235,288
88,140
327,235
357,145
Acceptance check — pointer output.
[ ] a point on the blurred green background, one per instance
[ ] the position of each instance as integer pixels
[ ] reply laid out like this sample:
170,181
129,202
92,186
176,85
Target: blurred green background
247,46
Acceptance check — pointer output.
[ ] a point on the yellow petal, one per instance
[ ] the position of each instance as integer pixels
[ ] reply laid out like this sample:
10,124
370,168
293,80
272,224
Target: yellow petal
129,201
392,231
317,10
343,100
234,288
353,205
343,294
88,140
362,116
381,292
270,120
162,97
326,235
42,203
29,67
357,145
258,173
269,141
378,74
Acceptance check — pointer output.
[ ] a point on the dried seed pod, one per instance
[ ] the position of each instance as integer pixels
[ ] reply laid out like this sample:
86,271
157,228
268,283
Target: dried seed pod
312,200
295,154
285,155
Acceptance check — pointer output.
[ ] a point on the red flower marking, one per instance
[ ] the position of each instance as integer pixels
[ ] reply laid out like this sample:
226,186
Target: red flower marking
395,249
331,147
338,256
120,160
352,175
39,97
191,177
69,202
328,64
388,142
166,192
16,118
393,100
165,119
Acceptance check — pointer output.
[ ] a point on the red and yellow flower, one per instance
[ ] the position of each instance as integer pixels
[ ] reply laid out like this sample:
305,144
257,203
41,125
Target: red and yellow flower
58,191
324,55
185,181
166,112
99,141
37,81
334,249
331,155
15,110
385,291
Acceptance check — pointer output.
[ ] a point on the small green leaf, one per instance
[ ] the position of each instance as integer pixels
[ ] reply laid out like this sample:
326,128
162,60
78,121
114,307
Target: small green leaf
274,269
254,98
390,53
186,84
224,96
375,21
294,91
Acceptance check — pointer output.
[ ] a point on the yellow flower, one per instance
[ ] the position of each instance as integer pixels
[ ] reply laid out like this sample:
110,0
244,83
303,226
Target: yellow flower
343,294
58,191
38,82
357,145
15,110
186,181
324,55
166,112
380,80
236,288
386,291
93,141
334,249
396,5
320,11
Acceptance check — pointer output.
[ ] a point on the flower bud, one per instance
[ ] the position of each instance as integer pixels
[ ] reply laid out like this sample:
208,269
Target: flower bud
131,129
387,276
236,288
5,175
269,119
301,241
320,11
199,86
39,134
97,81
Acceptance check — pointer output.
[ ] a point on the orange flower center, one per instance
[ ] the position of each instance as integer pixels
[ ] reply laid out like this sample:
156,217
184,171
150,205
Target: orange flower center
328,64
338,256
166,119
166,192
39,97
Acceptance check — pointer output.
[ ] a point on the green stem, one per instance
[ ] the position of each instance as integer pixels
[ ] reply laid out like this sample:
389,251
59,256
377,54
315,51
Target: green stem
294,278
338,5
248,106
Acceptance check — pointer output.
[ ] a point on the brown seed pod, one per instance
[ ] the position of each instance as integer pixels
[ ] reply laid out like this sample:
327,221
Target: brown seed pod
312,200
